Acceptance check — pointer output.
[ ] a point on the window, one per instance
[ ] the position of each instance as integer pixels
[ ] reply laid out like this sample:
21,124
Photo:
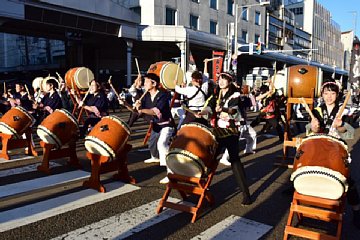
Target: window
244,13
230,7
213,27
196,1
194,22
257,38
257,18
244,36
170,16
213,4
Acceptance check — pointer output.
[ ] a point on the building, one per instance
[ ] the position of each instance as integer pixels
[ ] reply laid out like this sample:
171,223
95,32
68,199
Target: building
347,40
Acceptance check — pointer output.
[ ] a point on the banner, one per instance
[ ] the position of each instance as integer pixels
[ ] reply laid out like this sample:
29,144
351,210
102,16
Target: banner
217,64
354,75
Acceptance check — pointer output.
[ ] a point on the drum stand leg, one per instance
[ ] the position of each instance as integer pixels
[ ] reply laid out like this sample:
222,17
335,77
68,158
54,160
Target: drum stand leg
316,208
101,164
49,153
187,185
9,143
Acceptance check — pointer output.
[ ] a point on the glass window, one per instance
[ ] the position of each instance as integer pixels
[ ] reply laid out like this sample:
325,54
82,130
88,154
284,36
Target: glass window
230,7
194,22
213,27
170,16
197,1
244,15
257,18
244,36
213,4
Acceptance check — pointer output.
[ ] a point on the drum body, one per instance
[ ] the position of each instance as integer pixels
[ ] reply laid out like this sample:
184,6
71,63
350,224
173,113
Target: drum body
16,121
79,78
302,81
321,167
107,137
192,151
58,128
245,89
167,73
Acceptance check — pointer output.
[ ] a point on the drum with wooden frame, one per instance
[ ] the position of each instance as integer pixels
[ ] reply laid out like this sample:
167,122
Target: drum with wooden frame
37,83
107,137
167,73
79,78
192,152
58,128
321,167
16,121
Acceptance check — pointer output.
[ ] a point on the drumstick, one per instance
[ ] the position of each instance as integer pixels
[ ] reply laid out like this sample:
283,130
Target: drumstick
303,102
5,91
137,65
192,112
142,96
212,59
112,87
59,77
341,110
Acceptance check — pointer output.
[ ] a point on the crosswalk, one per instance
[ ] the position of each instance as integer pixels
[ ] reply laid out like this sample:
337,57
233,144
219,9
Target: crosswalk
119,226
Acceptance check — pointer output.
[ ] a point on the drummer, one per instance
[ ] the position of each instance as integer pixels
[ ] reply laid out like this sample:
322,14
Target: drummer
20,97
156,110
226,106
95,103
50,102
325,119
196,95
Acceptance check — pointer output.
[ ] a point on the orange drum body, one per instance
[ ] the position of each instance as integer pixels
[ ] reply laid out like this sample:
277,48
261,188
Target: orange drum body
107,137
301,80
321,167
192,151
245,89
167,73
58,128
16,121
79,78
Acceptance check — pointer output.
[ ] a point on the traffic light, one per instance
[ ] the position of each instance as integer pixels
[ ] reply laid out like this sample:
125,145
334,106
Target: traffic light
258,48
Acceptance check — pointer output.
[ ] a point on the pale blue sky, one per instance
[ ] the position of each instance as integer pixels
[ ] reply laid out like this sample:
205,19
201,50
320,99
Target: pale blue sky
341,13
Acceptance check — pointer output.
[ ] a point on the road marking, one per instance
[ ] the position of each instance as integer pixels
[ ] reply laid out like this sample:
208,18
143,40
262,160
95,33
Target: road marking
25,169
122,225
43,182
45,209
16,157
234,227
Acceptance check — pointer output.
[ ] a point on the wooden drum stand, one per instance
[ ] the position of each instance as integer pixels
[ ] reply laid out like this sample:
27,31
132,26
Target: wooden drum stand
101,164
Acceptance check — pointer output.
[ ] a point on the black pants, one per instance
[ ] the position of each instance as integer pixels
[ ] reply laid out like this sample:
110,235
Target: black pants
134,116
231,143
190,118
273,122
89,122
352,193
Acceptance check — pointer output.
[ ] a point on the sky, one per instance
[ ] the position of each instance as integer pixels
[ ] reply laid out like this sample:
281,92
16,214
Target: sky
341,13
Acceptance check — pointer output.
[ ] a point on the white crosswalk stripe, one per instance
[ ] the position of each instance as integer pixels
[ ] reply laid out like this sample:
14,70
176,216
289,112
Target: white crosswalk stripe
44,182
122,225
234,227
41,210
25,169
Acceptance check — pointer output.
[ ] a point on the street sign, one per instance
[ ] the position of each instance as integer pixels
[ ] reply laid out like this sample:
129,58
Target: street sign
251,48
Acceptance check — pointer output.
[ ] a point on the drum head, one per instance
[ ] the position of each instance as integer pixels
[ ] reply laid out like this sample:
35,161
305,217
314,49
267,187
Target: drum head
37,83
185,163
96,146
168,74
319,182
48,137
82,77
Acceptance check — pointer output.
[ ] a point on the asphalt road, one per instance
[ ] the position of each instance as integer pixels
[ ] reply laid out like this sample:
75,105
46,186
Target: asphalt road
269,186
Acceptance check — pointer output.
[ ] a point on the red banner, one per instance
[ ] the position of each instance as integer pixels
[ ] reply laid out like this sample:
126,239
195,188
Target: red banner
217,64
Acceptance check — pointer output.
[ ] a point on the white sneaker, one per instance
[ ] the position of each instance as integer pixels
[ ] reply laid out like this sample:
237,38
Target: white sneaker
225,162
152,160
165,180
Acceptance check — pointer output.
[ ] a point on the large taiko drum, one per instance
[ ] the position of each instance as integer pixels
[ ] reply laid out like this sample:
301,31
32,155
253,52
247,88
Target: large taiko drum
192,151
16,121
321,167
107,137
301,81
167,73
58,128
79,78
